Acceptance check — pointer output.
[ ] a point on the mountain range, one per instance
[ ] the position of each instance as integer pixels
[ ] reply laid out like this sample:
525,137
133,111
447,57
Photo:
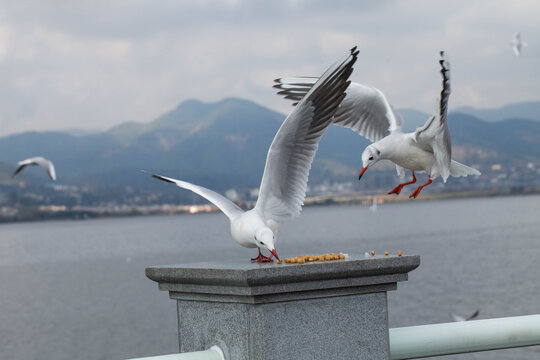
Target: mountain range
224,144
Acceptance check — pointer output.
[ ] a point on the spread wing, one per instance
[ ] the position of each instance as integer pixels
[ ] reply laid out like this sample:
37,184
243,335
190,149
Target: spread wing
227,206
40,161
364,109
284,183
435,134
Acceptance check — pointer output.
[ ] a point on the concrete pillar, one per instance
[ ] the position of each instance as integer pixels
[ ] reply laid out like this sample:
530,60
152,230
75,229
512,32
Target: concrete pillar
317,310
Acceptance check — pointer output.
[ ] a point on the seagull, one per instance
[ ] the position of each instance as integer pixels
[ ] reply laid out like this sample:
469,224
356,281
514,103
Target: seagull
284,182
366,111
38,160
517,43
461,318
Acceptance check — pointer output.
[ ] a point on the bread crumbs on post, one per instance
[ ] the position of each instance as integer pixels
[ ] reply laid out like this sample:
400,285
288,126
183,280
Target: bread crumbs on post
301,259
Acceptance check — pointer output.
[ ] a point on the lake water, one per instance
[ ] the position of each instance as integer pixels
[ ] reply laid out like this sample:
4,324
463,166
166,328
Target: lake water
77,290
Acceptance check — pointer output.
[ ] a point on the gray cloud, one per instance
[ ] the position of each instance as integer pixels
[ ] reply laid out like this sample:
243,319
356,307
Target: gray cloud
94,64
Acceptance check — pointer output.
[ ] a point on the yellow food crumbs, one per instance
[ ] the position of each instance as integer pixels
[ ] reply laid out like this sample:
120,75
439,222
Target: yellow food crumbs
372,252
399,253
301,259
386,253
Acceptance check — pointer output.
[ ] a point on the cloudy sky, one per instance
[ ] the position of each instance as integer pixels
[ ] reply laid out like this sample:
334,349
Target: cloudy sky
92,64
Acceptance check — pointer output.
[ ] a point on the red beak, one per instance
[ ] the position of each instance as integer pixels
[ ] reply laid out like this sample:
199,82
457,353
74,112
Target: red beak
362,172
275,254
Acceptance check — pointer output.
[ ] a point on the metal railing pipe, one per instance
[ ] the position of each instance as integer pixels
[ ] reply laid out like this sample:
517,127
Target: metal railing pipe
463,337
214,353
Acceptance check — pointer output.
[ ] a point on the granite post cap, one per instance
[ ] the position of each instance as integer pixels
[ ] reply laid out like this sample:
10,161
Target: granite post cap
244,281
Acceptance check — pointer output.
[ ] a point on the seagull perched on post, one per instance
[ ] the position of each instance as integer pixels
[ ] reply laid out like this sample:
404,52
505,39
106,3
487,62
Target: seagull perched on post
284,183
517,43
366,111
38,160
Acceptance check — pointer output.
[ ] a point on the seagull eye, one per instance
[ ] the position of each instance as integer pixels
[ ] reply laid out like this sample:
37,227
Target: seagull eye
371,158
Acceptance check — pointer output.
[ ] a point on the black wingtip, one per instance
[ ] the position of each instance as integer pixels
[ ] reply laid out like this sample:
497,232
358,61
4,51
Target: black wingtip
162,178
17,171
157,176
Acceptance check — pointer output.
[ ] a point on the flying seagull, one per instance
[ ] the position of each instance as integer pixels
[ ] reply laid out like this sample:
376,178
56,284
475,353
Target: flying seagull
366,111
517,43
456,317
283,186
38,160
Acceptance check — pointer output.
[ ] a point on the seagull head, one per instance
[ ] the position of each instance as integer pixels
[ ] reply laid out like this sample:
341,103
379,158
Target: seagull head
265,240
369,157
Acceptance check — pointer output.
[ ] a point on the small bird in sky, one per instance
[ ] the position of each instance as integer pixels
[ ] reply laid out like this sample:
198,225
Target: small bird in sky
517,43
40,161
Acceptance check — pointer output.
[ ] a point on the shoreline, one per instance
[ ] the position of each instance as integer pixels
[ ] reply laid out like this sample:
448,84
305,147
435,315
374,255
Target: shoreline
47,213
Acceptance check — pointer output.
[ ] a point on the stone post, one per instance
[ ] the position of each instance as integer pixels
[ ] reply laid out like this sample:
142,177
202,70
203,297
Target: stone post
317,310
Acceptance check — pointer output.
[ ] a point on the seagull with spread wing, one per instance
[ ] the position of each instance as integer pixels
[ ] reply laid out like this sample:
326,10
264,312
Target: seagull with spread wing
366,111
284,183
39,161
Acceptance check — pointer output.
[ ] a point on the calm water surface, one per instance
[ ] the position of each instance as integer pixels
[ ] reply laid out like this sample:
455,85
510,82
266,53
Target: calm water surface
77,290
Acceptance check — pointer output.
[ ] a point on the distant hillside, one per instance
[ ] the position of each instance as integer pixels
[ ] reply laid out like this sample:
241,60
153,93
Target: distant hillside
215,144
524,110
224,145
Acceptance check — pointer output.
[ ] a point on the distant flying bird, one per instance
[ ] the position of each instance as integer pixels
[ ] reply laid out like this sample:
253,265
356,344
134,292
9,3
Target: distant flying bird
461,318
366,111
284,183
517,43
38,160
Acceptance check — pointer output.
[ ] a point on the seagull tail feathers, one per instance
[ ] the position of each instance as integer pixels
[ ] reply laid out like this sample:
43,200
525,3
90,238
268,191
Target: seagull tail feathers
458,169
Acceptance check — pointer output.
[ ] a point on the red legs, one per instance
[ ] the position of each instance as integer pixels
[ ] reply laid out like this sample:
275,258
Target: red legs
417,191
261,258
398,188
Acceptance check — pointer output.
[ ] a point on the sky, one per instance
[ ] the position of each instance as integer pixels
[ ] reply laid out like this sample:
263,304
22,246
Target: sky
93,64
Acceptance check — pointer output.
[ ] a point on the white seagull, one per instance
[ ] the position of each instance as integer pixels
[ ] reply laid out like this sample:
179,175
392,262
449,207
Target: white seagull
283,186
458,318
517,43
366,111
38,160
